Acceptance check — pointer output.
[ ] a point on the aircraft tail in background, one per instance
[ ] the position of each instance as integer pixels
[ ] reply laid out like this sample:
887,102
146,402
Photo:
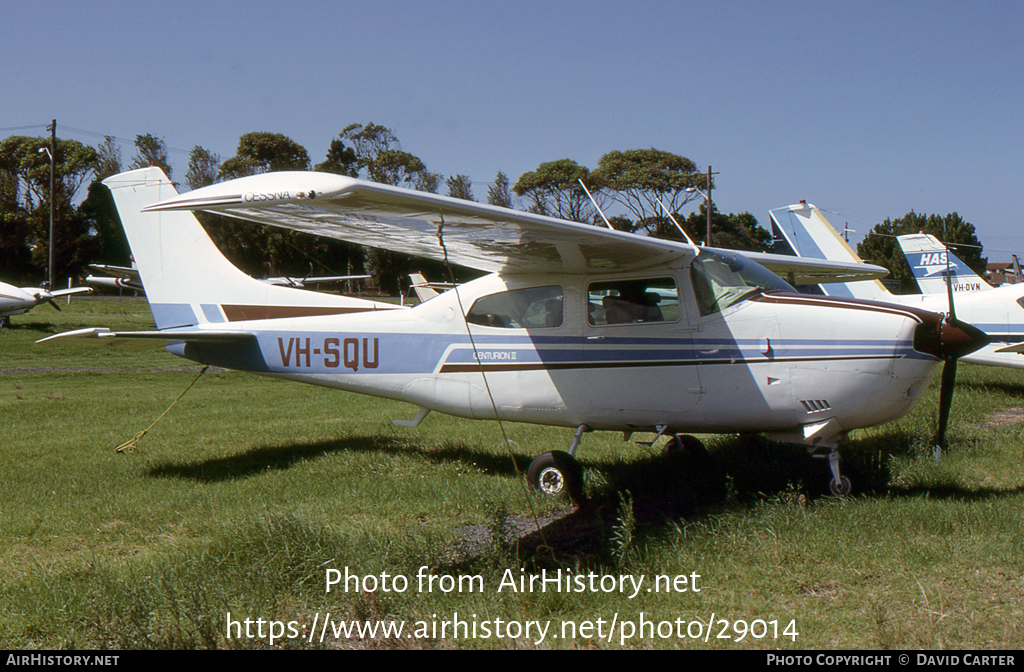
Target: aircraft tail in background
802,230
927,258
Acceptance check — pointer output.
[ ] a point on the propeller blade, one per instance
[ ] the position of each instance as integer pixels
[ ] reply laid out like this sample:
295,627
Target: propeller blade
54,304
945,403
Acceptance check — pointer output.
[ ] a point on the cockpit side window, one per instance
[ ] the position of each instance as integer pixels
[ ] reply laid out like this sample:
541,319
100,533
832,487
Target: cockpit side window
530,308
632,301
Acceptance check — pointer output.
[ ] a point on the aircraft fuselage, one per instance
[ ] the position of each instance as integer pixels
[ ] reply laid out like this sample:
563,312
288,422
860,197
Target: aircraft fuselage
550,350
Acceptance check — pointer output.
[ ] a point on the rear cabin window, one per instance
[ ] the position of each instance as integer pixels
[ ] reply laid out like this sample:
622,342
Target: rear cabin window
531,308
633,301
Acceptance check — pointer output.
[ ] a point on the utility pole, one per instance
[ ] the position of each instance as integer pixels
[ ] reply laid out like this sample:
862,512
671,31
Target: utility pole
707,240
53,159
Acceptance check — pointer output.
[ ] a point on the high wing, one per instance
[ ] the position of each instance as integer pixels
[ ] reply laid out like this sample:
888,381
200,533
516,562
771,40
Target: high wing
484,237
479,236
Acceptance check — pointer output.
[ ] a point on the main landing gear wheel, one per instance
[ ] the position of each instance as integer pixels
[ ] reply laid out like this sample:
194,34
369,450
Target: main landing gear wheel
684,446
555,474
840,488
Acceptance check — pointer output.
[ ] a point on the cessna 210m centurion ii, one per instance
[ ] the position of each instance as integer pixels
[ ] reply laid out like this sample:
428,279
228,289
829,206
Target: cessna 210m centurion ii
575,326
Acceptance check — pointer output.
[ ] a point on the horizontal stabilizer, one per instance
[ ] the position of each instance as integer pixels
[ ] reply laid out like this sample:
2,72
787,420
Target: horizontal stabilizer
102,334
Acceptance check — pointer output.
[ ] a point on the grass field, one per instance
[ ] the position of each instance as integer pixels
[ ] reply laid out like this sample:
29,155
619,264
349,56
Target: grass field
245,496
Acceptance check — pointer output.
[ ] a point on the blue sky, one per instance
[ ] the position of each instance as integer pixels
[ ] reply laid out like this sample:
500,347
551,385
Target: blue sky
867,109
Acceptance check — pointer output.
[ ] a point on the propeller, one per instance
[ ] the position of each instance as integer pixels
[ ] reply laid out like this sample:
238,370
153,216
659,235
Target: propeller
54,304
956,339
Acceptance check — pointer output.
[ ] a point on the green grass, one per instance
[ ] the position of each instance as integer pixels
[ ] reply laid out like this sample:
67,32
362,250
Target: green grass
242,496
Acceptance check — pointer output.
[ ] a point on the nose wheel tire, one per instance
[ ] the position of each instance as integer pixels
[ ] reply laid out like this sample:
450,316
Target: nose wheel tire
556,474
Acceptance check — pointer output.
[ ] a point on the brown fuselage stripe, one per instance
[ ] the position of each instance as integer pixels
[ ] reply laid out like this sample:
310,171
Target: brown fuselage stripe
853,304
563,366
242,313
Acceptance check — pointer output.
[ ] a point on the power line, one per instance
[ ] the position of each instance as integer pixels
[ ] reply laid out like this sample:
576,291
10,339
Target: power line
21,128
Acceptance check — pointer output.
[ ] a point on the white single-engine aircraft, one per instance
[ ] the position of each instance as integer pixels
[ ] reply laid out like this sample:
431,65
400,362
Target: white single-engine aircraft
576,326
18,300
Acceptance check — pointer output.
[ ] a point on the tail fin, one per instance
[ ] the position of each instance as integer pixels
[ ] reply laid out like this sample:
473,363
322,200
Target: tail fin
927,259
187,279
424,292
806,232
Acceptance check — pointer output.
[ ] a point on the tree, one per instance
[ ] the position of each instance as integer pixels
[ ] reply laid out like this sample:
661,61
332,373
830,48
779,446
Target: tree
368,141
500,192
880,246
203,166
341,160
260,251
638,179
732,232
24,203
379,154
107,243
108,158
263,153
554,189
152,151
460,186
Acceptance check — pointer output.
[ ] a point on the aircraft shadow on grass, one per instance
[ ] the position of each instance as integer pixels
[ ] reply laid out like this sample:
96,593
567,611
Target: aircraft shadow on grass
274,458
660,489
38,327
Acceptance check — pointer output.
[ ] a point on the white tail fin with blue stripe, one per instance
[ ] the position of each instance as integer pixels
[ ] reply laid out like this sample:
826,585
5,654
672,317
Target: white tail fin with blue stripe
928,260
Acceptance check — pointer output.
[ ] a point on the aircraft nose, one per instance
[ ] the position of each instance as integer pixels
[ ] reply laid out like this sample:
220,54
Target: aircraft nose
945,337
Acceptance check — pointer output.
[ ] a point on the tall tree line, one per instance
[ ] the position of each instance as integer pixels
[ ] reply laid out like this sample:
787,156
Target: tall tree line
646,189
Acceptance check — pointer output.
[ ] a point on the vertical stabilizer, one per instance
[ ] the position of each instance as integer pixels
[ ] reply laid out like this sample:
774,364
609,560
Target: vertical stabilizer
806,232
424,292
927,258
187,279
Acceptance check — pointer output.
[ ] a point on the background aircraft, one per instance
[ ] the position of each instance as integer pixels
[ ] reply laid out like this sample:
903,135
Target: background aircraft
120,277
302,283
128,278
575,326
426,290
931,262
999,311
17,300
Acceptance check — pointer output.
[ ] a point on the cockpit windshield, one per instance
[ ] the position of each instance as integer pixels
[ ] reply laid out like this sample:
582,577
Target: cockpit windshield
722,279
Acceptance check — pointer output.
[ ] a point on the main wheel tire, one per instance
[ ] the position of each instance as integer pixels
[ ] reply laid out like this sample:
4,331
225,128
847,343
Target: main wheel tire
842,488
684,446
556,474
